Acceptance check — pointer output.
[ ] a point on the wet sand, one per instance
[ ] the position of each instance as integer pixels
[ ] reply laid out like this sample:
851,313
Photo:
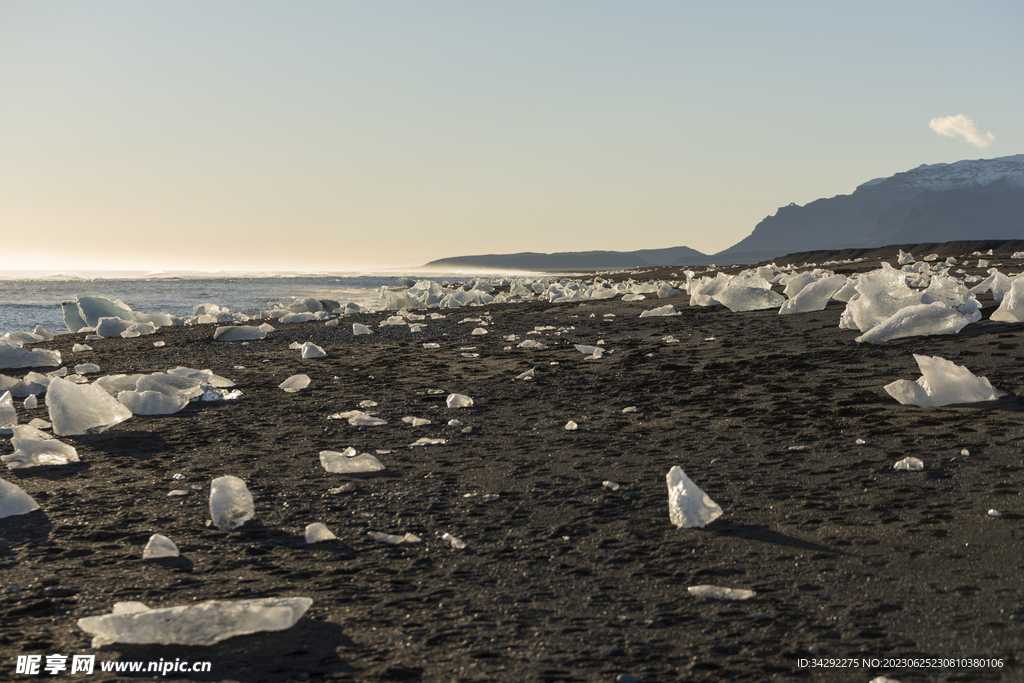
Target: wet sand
563,579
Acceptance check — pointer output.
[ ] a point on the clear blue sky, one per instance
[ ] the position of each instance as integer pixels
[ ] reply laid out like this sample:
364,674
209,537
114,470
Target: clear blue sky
309,135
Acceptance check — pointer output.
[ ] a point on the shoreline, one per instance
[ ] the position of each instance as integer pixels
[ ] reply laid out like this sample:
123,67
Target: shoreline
563,578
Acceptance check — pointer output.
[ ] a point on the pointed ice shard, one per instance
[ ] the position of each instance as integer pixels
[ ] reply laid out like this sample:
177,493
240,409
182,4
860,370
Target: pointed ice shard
14,501
159,546
348,462
8,415
1011,309
31,403
231,504
942,383
358,329
571,426
82,408
204,623
317,532
294,383
688,506
919,320
311,350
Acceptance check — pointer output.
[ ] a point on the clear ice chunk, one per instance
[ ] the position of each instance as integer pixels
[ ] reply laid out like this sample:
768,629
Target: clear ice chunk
159,546
458,401
31,403
82,408
8,415
311,350
661,311
38,451
204,623
348,462
294,383
151,402
814,297
14,501
455,541
14,355
720,593
909,464
914,321
358,329
394,539
317,532
231,504
571,426
358,418
238,333
688,506
416,421
87,368
1011,309
942,383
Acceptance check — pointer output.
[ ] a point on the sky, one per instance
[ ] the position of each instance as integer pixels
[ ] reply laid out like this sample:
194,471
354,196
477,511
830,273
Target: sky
333,135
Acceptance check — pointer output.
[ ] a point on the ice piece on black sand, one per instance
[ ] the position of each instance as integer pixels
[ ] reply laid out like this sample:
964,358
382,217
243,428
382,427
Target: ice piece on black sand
571,426
459,401
909,464
231,504
942,383
358,329
688,506
394,539
82,408
661,311
159,546
8,415
37,450
348,462
14,501
317,532
31,403
456,542
294,383
204,623
311,350
720,593
238,333
151,402
16,356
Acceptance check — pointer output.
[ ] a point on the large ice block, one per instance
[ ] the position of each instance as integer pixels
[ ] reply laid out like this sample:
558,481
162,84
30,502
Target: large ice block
82,408
688,506
203,623
231,504
14,501
942,383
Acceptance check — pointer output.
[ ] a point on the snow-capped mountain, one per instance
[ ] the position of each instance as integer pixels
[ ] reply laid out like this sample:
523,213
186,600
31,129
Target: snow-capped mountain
966,200
962,174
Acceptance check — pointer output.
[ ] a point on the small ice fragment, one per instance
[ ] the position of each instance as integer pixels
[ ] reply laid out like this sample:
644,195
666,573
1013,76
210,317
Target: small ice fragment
393,539
367,404
177,493
294,383
532,344
478,331
594,351
431,345
14,501
179,476
459,401
456,542
332,323
311,350
631,409
203,623
661,311
241,333
720,593
427,442
860,442
910,464
571,426
994,513
454,423
159,546
87,368
231,504
158,344
348,462
358,418
358,329
526,375
965,452
470,355
317,532
31,403
416,421
8,415
688,506
610,485
80,348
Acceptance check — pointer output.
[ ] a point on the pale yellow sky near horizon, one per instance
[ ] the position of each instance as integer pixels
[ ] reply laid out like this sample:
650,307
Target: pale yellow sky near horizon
343,136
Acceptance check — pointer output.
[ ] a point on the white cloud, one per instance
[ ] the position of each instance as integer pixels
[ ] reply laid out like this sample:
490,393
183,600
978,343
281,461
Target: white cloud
962,127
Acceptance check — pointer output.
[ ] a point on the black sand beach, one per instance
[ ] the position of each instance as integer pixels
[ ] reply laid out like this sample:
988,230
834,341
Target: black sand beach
563,578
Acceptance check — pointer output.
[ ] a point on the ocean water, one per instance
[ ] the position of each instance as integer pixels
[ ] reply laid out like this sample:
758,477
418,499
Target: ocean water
27,302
